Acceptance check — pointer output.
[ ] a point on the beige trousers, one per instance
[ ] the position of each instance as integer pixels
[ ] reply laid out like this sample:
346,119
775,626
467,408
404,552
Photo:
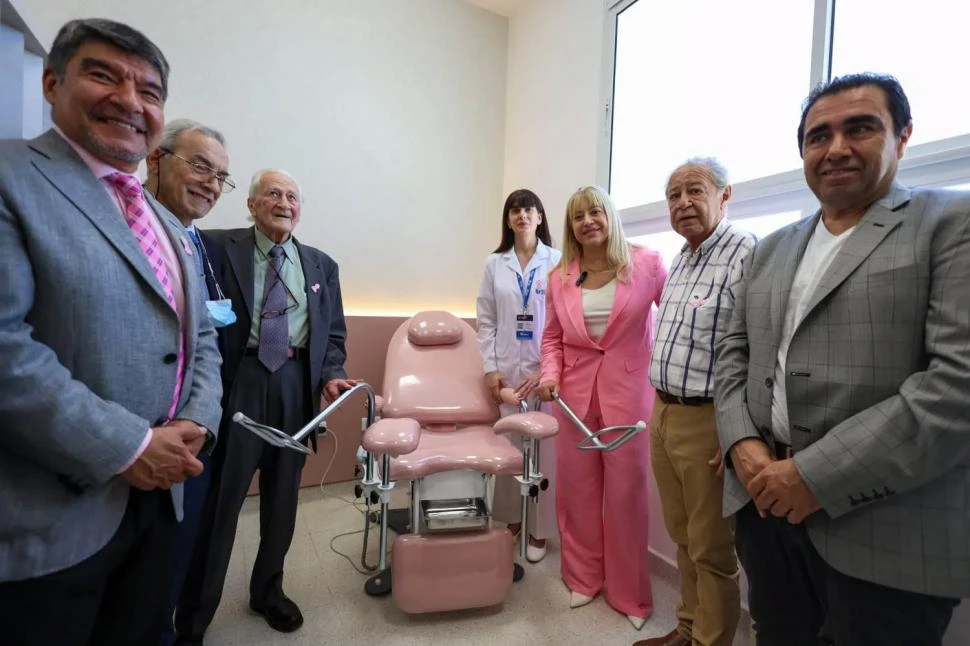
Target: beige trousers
683,439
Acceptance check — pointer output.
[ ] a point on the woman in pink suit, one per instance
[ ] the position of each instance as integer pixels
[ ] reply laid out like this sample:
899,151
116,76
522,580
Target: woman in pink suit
595,355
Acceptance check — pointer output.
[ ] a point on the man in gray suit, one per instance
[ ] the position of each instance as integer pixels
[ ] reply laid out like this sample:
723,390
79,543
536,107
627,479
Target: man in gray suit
110,372
840,390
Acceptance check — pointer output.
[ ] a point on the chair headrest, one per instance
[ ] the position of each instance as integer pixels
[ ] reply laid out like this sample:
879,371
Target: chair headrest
434,328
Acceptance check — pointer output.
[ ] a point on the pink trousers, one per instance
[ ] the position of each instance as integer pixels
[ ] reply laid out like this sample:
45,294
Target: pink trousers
602,506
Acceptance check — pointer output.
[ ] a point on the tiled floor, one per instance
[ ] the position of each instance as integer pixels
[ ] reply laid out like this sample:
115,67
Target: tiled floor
337,612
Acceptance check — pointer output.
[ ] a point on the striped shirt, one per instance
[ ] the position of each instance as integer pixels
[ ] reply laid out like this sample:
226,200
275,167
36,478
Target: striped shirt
695,309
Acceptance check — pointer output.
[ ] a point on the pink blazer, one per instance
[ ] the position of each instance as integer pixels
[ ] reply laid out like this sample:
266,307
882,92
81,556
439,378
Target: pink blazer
618,365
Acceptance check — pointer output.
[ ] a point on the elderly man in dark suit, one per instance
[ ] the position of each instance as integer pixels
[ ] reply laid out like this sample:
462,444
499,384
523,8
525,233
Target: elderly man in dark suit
840,390
187,173
110,373
283,358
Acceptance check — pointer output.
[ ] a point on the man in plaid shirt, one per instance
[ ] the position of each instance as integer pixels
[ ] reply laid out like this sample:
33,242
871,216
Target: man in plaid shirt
694,312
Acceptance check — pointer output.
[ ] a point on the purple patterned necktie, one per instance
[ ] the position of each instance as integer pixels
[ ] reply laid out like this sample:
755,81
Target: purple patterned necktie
137,216
274,327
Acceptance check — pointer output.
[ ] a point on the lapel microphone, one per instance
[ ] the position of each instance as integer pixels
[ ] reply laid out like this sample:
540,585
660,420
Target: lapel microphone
581,279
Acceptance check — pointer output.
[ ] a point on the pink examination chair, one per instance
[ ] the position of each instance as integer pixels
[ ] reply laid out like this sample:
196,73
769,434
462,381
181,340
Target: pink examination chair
440,430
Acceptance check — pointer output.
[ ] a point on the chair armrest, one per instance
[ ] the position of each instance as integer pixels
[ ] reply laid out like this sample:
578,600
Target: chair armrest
393,437
532,424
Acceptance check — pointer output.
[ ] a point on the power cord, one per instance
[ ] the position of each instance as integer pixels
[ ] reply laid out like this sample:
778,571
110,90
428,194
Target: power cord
364,511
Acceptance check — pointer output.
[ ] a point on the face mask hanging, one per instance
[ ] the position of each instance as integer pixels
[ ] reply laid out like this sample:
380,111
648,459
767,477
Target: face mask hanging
220,312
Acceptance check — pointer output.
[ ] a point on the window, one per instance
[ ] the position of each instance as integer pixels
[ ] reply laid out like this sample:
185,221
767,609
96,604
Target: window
681,62
931,37
706,77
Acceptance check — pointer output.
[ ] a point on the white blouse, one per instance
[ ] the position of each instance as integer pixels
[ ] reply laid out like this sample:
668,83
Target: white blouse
597,304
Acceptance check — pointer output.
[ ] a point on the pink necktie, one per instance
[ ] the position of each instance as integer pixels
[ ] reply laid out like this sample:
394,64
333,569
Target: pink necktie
137,216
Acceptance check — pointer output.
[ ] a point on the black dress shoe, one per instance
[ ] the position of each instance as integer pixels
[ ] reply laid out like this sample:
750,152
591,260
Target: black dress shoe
187,641
284,617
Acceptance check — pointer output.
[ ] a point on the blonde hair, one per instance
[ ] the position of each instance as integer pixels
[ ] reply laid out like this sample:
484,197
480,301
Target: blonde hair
617,247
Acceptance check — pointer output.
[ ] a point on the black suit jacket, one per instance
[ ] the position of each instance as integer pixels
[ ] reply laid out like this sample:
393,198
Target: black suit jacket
328,332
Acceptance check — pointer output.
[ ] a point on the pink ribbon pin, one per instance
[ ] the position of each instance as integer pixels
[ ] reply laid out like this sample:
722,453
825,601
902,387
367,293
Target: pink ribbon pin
315,287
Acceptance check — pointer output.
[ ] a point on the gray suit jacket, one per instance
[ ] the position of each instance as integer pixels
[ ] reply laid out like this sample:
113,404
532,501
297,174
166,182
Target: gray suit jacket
878,376
87,342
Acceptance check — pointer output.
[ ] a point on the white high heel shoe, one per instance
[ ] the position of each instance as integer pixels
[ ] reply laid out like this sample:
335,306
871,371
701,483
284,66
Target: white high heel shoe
637,621
577,600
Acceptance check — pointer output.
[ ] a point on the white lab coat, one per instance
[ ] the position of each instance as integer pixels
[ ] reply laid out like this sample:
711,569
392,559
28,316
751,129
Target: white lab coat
500,300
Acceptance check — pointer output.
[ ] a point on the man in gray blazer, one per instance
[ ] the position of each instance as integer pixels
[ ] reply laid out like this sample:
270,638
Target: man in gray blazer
110,373
840,390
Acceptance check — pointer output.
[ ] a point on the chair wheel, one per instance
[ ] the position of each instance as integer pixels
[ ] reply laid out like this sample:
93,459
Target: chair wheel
379,584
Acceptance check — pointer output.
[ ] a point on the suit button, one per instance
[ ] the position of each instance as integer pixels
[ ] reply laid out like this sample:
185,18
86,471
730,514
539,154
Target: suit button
171,357
769,382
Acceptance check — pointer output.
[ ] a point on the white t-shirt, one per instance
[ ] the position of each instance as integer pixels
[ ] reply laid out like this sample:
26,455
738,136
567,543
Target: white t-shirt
597,305
819,253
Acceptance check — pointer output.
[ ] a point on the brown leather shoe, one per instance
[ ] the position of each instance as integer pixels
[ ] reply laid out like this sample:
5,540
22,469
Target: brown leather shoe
673,638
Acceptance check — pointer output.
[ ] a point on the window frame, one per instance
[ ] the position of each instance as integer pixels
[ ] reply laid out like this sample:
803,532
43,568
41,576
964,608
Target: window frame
936,163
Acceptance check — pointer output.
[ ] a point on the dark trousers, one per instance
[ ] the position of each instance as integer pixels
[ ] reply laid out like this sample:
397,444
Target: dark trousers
195,492
117,597
281,399
797,599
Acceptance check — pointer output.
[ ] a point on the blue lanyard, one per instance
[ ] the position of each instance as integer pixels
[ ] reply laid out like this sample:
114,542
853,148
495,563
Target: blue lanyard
526,290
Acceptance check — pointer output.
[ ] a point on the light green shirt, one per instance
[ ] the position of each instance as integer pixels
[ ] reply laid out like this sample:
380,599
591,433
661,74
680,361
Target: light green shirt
292,273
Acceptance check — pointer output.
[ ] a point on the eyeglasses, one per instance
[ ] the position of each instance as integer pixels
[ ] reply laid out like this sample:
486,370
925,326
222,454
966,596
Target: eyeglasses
205,171
273,314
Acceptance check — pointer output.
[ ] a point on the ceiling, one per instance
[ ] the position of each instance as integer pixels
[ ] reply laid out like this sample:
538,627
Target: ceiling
501,7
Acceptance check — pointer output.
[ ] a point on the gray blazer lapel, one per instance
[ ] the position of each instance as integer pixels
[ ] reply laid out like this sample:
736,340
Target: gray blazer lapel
239,252
794,247
882,217
74,180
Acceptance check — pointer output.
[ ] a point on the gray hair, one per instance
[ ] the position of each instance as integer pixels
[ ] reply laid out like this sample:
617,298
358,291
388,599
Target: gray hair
174,129
75,33
258,179
714,168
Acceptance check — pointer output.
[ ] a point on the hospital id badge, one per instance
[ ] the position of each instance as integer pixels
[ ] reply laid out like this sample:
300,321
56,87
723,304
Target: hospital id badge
523,327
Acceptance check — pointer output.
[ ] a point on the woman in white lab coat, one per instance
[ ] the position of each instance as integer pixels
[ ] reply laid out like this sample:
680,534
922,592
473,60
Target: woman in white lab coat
511,315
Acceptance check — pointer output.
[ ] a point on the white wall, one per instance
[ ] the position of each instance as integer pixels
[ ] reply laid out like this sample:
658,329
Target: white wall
390,113
553,103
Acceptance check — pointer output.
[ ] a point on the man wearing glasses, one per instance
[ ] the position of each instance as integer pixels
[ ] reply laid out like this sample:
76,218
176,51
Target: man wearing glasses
283,357
187,173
